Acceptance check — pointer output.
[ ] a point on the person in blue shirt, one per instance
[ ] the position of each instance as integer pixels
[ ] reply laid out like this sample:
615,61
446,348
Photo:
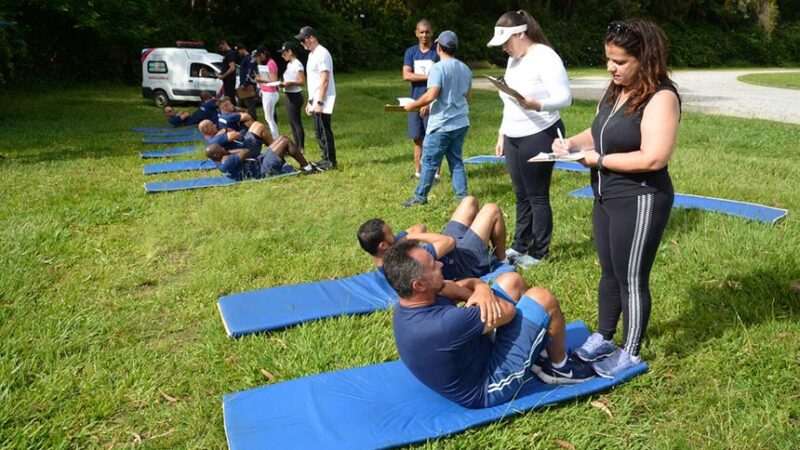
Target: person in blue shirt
417,63
230,119
207,110
479,355
247,73
463,247
232,150
450,85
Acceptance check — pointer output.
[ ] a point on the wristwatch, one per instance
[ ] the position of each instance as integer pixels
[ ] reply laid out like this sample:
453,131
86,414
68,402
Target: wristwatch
320,103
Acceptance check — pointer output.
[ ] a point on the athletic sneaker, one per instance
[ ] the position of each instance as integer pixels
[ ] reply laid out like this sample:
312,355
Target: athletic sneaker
617,362
522,260
574,371
311,169
413,201
324,164
595,348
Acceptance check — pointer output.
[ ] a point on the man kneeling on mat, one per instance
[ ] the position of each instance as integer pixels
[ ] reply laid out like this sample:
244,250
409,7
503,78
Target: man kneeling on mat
463,246
232,150
454,351
207,110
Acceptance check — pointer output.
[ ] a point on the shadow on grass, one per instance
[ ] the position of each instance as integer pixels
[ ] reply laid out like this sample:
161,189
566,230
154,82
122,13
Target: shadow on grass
739,301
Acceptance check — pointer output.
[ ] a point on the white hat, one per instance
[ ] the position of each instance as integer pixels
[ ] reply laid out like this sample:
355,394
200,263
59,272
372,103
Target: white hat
501,34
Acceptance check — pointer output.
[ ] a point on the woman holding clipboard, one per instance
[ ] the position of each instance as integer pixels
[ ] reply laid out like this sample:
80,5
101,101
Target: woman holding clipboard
530,124
628,147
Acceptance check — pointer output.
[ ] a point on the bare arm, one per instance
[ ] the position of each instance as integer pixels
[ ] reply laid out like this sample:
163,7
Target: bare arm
409,75
427,98
659,132
495,312
441,243
469,95
231,69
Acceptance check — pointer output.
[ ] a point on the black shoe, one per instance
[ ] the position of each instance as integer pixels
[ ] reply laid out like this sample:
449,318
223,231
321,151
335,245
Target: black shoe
574,371
413,201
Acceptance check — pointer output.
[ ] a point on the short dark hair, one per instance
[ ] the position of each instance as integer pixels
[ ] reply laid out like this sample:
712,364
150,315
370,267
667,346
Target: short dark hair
401,268
449,50
370,235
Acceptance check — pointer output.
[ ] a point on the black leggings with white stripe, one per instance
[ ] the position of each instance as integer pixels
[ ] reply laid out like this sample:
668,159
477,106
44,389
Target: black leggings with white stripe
627,233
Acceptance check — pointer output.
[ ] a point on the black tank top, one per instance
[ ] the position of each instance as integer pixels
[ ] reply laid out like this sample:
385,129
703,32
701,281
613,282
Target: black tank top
621,133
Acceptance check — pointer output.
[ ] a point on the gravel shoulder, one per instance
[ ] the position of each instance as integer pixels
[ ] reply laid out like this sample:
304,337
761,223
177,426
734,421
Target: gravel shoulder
712,92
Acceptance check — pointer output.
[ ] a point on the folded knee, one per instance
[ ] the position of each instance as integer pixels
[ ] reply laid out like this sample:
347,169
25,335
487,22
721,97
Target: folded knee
545,298
513,284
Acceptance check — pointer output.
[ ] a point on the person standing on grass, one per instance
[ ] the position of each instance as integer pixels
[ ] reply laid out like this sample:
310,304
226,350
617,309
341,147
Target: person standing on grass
294,77
450,85
321,94
480,355
628,148
268,73
228,74
417,63
248,69
529,127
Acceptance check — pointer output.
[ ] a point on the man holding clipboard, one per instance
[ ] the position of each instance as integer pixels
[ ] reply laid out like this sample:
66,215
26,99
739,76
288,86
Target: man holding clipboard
417,62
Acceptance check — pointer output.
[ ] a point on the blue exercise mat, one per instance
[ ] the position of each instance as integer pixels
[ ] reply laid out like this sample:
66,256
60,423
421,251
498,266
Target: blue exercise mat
752,211
279,307
155,129
175,133
492,159
378,406
197,183
179,166
168,152
171,139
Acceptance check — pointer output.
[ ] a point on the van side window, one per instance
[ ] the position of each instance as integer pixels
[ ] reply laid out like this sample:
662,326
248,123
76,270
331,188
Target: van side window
200,70
156,67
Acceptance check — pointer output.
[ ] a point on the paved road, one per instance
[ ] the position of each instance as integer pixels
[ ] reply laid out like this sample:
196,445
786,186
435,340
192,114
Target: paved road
710,91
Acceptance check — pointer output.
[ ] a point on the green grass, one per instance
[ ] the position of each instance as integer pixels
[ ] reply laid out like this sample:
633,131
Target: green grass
786,80
108,295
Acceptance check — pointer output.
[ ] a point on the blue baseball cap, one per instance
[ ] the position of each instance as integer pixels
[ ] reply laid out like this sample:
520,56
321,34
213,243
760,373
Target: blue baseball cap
447,39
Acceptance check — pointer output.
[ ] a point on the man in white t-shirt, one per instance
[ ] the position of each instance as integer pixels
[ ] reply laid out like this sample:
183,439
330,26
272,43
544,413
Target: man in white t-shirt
321,94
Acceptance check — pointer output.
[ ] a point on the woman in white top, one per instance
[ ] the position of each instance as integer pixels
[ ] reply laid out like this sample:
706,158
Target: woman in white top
529,126
293,80
268,74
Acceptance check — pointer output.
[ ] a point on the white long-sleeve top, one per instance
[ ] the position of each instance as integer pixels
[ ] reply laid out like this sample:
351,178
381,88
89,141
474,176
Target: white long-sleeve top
539,75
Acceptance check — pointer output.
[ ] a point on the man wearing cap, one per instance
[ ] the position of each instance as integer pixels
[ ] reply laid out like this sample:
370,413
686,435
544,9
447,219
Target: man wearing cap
417,62
321,94
450,85
247,73
228,74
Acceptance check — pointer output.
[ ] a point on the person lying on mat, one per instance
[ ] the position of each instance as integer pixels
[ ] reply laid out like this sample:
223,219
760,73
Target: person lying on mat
207,110
237,163
463,246
230,119
480,355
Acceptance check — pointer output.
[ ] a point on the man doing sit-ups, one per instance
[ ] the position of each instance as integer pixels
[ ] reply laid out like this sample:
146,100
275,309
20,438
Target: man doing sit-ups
231,119
451,349
207,110
232,149
463,246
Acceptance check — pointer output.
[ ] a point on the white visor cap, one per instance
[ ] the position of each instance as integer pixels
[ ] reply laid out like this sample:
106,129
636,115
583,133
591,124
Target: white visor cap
501,34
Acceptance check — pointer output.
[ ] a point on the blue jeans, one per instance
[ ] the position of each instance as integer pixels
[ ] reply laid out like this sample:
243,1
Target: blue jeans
437,146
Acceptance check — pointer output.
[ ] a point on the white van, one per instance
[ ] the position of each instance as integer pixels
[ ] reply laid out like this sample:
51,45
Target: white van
179,74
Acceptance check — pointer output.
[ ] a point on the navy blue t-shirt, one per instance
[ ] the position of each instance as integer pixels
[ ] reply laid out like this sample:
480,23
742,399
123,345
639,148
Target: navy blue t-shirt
176,120
420,63
444,347
222,140
232,121
207,110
